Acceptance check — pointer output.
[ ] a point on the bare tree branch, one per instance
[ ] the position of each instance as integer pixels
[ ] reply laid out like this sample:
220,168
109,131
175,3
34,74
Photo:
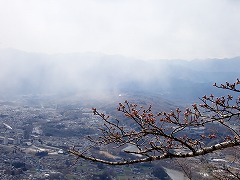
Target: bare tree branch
163,135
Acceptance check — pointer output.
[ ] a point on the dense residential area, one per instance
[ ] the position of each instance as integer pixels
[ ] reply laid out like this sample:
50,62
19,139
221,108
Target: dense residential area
35,139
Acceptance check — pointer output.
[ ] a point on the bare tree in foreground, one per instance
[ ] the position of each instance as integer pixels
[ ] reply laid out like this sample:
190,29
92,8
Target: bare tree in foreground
155,136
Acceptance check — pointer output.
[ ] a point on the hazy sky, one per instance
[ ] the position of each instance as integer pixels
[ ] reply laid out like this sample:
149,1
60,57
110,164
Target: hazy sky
185,29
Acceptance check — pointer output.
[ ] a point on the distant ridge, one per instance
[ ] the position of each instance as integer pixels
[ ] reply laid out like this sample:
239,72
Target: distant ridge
24,73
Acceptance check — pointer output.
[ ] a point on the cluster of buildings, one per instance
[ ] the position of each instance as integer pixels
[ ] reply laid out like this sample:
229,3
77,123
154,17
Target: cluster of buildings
28,130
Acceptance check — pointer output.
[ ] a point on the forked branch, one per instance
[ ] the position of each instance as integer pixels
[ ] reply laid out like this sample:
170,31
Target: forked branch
155,136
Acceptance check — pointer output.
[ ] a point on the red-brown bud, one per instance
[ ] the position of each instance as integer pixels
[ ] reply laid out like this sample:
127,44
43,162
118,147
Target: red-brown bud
212,136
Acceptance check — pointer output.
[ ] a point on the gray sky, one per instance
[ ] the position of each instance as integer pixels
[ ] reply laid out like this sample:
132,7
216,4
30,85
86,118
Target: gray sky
158,29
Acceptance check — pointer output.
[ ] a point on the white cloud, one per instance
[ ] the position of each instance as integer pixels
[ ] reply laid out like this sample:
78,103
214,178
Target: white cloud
139,28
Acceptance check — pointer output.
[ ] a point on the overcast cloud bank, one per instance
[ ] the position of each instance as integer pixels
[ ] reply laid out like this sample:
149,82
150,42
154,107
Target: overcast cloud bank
145,29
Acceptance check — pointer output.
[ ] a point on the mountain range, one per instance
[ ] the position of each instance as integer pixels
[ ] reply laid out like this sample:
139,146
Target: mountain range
100,74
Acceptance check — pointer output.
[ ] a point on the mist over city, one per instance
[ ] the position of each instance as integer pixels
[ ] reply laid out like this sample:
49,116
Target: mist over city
100,75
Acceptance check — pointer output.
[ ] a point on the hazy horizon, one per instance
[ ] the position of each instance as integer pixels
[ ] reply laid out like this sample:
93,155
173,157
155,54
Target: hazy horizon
93,53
